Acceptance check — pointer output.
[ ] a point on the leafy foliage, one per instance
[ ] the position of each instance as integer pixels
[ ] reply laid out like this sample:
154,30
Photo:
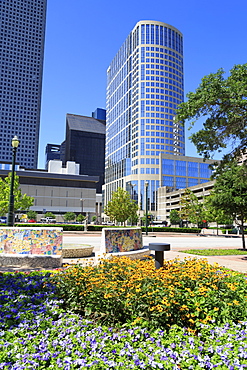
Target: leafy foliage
22,201
174,217
191,209
222,103
69,216
32,215
121,206
50,214
185,293
230,193
80,218
36,333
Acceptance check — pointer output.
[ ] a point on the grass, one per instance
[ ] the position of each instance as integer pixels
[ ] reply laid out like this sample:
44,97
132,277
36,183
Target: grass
215,252
124,314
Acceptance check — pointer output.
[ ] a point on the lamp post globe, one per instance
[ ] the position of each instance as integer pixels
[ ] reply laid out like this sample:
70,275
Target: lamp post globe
15,144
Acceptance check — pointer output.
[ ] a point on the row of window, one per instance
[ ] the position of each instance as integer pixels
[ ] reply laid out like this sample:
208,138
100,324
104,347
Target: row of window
181,182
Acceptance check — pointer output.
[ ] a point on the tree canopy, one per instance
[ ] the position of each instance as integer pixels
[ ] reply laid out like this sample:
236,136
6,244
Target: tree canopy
191,209
121,206
32,215
174,217
230,193
69,216
222,104
80,218
22,201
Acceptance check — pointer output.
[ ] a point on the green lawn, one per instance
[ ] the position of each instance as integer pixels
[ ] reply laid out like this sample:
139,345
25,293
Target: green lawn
216,252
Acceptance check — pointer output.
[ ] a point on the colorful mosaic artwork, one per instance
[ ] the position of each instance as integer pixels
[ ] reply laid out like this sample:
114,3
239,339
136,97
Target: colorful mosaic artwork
122,240
31,241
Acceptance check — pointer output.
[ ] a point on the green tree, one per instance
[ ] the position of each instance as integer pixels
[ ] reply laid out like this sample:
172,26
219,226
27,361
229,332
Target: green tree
80,218
150,217
22,201
134,219
32,215
213,214
50,214
121,206
230,194
222,104
191,209
69,216
174,217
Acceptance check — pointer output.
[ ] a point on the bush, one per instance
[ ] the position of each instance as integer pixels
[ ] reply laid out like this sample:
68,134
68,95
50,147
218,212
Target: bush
120,291
232,231
193,230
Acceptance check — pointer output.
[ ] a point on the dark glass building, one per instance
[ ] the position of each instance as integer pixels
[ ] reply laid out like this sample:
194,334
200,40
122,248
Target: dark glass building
85,144
52,151
22,34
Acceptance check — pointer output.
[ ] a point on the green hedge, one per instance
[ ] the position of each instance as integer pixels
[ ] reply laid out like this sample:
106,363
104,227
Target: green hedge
232,231
65,227
193,230
80,227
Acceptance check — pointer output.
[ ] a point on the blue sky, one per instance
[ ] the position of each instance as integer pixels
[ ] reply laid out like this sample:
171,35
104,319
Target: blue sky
83,36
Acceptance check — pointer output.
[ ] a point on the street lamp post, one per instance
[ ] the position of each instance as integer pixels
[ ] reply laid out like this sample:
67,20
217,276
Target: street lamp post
85,221
81,205
146,188
15,143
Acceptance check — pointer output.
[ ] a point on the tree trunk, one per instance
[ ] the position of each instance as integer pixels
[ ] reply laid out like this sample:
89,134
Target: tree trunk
217,227
242,232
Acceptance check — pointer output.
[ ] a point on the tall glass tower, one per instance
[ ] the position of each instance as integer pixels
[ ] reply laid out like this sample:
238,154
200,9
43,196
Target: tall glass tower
144,86
22,34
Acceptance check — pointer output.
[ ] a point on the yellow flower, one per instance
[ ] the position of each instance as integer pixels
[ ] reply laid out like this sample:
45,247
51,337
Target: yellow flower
183,307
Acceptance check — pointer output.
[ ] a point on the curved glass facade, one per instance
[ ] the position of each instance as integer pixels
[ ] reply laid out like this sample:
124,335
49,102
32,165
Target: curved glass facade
144,87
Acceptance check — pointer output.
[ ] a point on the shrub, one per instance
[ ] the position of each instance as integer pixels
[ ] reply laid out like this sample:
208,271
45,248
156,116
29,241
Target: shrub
120,291
193,230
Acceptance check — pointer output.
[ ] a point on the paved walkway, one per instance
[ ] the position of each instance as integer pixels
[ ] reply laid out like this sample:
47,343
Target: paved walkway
177,242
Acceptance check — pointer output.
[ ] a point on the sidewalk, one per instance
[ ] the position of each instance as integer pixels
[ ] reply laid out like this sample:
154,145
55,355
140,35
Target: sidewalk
235,262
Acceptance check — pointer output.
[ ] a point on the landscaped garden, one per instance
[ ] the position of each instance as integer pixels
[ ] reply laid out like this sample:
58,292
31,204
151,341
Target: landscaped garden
124,314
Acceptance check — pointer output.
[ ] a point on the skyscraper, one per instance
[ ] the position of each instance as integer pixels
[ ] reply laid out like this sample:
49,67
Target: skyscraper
144,87
85,144
22,34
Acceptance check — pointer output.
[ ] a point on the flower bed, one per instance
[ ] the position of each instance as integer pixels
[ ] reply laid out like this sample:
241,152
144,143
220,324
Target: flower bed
185,293
39,330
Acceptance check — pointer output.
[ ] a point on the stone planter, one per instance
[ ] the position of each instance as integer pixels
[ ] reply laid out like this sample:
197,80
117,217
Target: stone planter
71,251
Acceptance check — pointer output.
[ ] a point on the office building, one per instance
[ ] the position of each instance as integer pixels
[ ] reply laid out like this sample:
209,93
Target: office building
85,144
144,86
22,34
59,190
52,151
169,198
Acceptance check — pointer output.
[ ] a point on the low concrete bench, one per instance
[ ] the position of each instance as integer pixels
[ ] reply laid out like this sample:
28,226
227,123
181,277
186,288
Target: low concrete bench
79,251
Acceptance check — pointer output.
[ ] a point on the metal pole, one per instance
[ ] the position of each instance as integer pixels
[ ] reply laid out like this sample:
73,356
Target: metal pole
146,186
11,194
